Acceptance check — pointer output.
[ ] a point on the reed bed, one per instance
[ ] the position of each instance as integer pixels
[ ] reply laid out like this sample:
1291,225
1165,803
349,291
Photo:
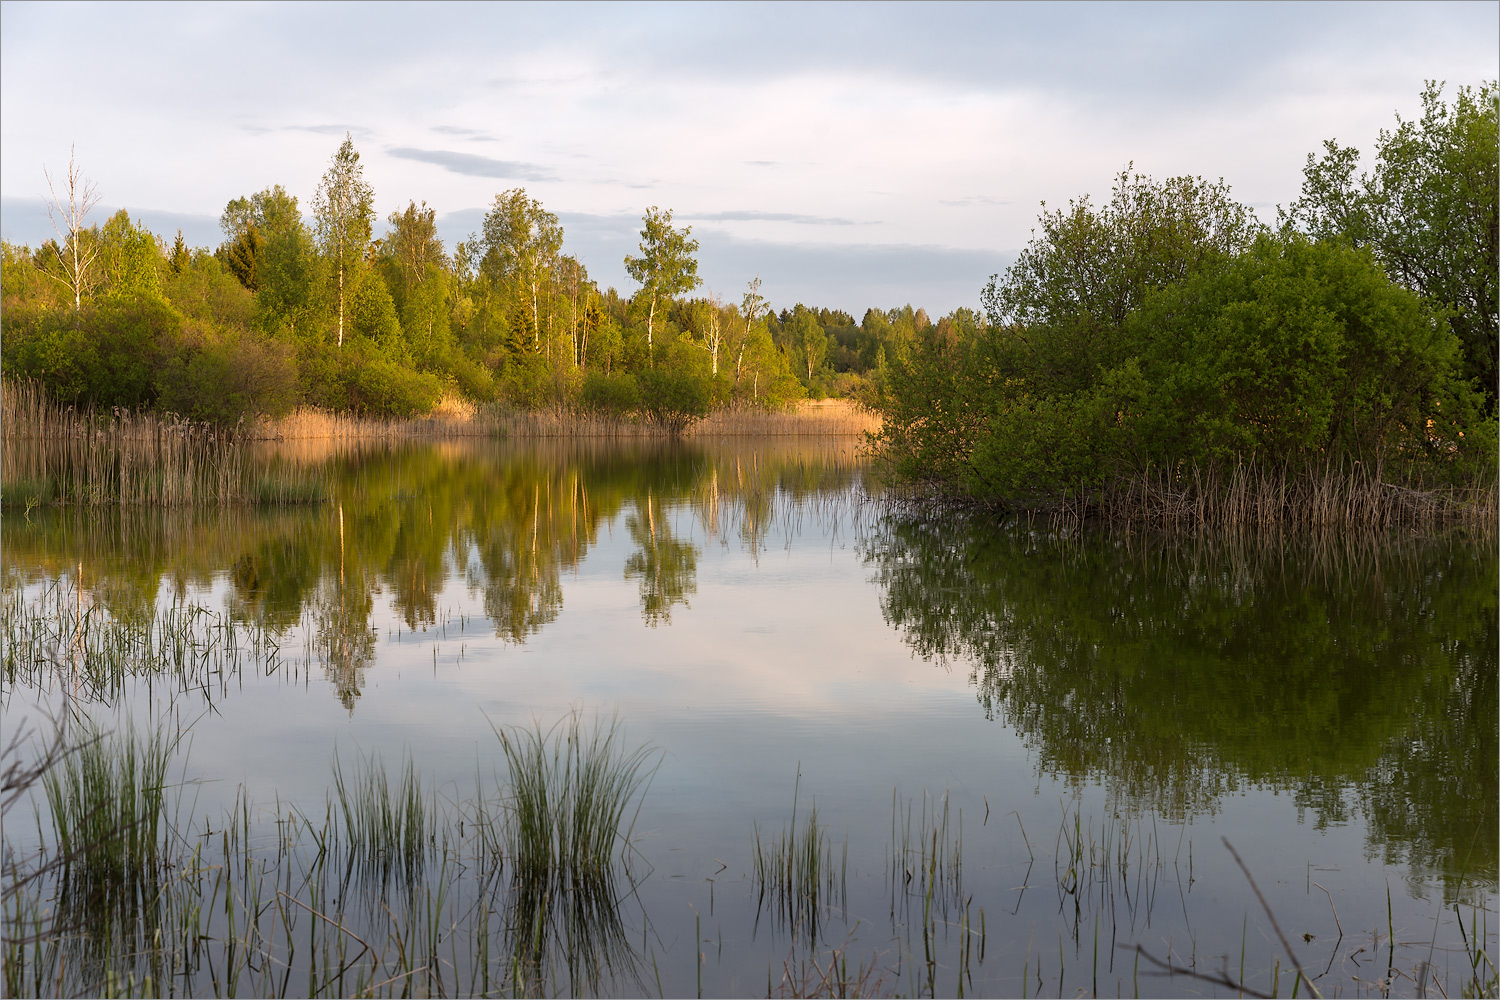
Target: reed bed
388,828
1247,497
569,789
58,639
449,419
809,418
56,454
279,903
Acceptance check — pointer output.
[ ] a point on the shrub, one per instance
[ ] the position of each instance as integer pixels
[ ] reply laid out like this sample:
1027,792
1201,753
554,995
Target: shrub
614,395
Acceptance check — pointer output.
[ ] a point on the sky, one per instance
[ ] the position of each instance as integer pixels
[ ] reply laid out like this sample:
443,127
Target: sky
851,155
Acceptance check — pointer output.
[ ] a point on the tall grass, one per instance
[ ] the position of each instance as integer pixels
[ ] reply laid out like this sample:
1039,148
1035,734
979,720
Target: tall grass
564,833
106,803
57,454
823,418
450,418
388,827
570,787
794,874
1247,496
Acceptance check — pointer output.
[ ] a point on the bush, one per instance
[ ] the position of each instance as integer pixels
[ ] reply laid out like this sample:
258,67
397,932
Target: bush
105,354
1292,356
612,395
673,399
230,376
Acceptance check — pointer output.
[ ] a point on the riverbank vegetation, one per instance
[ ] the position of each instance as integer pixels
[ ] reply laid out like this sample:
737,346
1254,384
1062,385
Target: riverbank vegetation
330,313
1166,357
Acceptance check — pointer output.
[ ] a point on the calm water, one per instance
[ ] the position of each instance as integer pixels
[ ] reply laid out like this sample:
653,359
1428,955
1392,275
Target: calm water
1327,706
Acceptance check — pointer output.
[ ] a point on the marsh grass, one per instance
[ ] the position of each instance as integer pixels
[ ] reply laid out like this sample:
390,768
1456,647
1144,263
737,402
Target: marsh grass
388,827
265,902
58,638
795,876
1246,496
570,787
823,418
106,802
565,830
114,457
449,419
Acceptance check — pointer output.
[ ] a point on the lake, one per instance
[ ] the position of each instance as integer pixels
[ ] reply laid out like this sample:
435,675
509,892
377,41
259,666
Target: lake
889,750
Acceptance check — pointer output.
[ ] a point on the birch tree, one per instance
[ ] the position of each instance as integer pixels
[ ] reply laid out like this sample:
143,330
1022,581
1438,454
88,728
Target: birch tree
666,267
76,251
345,213
521,242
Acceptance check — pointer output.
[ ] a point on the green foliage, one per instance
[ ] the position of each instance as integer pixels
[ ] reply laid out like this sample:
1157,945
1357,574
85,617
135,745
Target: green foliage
612,394
675,399
228,377
1428,212
666,267
130,261
359,378
1076,281
1281,354
105,355
1301,352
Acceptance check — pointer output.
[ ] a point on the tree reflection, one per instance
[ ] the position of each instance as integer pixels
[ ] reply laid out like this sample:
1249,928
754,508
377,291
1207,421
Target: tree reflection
1357,675
509,521
665,567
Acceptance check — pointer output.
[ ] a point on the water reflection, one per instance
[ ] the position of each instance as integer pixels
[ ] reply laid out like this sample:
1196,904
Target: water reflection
508,522
1358,675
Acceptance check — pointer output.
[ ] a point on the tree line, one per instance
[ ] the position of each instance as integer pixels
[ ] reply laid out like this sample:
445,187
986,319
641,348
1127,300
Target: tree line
1169,330
326,311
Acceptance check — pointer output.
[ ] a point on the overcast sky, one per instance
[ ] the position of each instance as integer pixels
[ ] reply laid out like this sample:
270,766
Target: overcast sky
852,155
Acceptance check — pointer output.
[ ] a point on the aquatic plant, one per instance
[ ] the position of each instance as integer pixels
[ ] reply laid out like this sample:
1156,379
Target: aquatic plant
387,827
569,789
794,874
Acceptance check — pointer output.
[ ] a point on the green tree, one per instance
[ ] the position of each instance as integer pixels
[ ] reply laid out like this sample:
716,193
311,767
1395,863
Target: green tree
1429,211
521,244
130,261
345,214
666,267
807,340
1072,286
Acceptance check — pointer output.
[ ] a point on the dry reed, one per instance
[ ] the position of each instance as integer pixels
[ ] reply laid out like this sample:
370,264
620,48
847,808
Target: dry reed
1249,497
827,417
450,418
113,457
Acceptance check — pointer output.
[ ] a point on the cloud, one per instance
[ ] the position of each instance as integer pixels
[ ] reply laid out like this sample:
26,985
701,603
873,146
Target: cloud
326,129
471,165
973,199
755,216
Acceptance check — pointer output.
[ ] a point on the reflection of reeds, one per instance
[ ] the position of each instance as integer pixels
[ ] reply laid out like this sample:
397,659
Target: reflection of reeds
59,637
795,877
386,830
563,833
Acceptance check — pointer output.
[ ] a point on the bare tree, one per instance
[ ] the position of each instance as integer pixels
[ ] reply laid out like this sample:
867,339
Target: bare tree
67,218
